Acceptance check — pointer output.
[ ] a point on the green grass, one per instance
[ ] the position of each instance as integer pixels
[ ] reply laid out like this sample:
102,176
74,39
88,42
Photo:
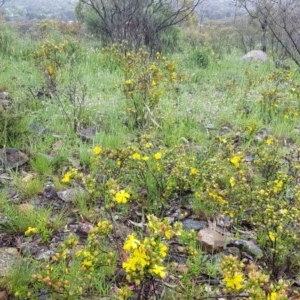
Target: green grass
212,119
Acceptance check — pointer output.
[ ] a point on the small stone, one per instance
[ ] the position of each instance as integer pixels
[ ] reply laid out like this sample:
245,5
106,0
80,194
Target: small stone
8,257
255,56
249,247
70,194
12,158
45,255
190,224
210,126
3,295
4,96
49,191
86,134
210,240
84,228
181,268
234,251
249,158
4,101
25,208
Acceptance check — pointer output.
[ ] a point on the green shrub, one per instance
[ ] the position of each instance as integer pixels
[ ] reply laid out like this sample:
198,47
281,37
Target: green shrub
200,57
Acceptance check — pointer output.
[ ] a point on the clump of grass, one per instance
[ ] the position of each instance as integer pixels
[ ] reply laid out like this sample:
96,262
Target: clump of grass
42,165
30,187
20,278
27,220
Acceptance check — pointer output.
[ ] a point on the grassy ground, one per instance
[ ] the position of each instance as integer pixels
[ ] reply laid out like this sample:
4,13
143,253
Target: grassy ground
215,137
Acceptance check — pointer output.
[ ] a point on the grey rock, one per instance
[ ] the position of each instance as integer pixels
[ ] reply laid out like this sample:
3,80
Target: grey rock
87,134
70,194
45,255
256,56
210,126
249,158
249,247
8,257
4,101
12,158
49,191
191,224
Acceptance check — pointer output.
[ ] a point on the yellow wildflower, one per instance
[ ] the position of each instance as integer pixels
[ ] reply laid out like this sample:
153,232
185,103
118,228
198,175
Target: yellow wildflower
168,234
97,150
31,231
232,181
136,156
128,82
51,70
193,171
122,197
145,158
236,159
163,249
157,155
67,177
234,282
272,296
131,243
87,263
269,141
272,236
217,198
278,184
137,260
160,271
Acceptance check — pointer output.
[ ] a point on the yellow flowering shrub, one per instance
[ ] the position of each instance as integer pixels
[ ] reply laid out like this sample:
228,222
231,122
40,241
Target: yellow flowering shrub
146,256
73,268
278,101
51,56
239,279
146,81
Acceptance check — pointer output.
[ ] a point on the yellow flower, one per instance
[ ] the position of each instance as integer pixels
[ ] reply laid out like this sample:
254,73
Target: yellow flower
217,198
169,234
145,158
87,263
193,171
272,296
163,249
232,181
31,231
277,186
136,156
67,177
160,271
122,197
269,141
51,70
97,150
236,159
131,243
128,82
157,155
234,282
272,236
138,260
